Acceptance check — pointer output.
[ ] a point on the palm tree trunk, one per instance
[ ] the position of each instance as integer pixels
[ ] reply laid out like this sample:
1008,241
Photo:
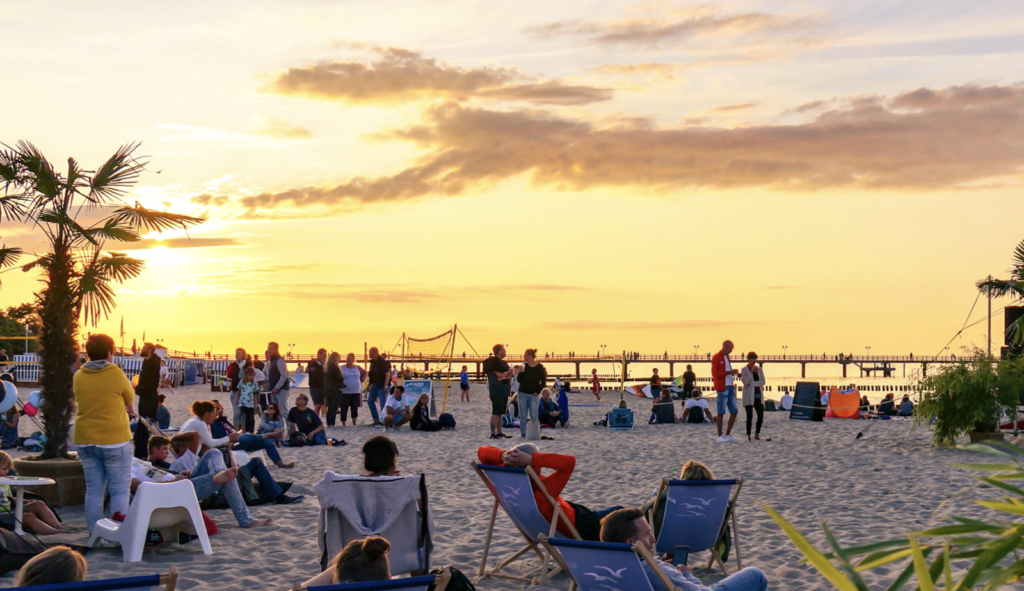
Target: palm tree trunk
57,354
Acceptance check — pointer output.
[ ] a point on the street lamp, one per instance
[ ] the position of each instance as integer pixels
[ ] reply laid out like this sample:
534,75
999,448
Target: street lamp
603,347
27,326
696,348
867,351
784,347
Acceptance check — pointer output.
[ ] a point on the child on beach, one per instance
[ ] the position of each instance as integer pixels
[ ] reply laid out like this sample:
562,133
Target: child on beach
37,518
595,384
248,390
9,428
464,384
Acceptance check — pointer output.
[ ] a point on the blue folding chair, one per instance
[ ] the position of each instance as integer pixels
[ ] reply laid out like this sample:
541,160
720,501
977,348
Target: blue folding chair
146,583
696,515
410,584
513,492
600,566
621,419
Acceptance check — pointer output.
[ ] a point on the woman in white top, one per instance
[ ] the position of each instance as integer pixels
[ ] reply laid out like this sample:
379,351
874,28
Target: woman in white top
204,413
353,389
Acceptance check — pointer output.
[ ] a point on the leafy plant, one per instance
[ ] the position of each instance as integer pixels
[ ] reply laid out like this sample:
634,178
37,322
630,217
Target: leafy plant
78,212
1013,286
992,549
969,396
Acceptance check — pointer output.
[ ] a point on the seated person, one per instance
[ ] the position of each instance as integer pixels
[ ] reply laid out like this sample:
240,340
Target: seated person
663,410
303,419
359,562
865,404
586,521
695,410
159,449
56,566
37,517
163,416
511,417
272,423
219,431
628,526
396,409
550,413
906,406
380,456
421,420
604,421
9,428
165,376
209,477
888,406
787,401
692,470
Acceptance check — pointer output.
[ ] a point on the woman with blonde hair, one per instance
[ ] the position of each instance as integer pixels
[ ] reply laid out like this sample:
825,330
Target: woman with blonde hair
360,561
691,470
55,566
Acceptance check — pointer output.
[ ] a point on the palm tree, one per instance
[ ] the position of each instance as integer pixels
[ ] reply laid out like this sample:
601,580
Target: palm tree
1013,286
78,212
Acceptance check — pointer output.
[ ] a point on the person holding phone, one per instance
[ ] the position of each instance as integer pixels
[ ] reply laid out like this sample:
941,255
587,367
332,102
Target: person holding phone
723,375
753,396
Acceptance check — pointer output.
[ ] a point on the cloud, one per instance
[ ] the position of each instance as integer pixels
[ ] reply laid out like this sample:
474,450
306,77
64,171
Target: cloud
920,140
400,75
732,108
175,243
282,129
700,26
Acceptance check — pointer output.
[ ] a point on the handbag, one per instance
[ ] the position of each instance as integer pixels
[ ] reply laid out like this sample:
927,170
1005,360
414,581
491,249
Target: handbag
297,439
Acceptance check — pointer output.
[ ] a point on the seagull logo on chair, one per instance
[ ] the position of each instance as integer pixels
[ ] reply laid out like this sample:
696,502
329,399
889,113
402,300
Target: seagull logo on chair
705,501
615,573
512,491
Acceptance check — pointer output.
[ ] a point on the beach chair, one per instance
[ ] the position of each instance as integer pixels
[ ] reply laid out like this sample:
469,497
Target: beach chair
395,508
170,508
513,492
166,582
599,566
439,582
696,515
621,419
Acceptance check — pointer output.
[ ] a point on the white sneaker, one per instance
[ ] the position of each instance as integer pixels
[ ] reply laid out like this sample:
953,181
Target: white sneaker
731,438
723,439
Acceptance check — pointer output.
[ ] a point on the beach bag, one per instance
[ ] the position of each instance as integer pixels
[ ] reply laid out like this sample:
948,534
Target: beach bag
457,582
297,440
769,406
446,421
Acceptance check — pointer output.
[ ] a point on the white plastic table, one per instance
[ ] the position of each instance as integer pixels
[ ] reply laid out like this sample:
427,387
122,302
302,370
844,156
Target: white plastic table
19,483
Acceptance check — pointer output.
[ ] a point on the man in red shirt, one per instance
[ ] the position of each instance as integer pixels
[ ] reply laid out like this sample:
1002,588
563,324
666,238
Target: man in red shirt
723,373
586,521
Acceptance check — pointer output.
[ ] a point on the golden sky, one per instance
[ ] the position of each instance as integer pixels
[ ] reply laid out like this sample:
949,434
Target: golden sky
562,175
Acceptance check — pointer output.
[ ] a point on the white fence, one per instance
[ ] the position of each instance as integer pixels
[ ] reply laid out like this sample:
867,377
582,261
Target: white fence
28,368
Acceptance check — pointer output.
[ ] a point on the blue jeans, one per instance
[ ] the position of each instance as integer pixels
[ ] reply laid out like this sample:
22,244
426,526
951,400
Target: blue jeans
727,398
318,438
376,393
250,442
258,471
202,479
748,579
529,407
106,467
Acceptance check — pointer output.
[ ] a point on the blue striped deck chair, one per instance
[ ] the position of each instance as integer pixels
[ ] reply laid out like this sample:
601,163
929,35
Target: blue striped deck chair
146,583
696,515
408,584
513,493
600,566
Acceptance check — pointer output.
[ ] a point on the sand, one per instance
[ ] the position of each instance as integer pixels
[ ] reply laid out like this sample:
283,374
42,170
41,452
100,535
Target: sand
894,481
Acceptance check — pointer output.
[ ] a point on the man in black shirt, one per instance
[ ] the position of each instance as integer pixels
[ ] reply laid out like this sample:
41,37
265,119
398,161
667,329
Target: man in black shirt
499,386
315,369
380,379
149,383
689,380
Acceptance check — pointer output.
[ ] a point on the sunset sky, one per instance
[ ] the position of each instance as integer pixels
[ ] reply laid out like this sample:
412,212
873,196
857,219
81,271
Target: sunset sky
562,175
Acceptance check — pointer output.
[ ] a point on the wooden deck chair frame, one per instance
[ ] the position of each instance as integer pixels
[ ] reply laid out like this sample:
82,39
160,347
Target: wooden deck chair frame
730,515
639,548
440,581
545,573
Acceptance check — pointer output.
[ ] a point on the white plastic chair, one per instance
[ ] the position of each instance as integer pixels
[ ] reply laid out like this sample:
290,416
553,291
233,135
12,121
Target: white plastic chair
169,508
241,458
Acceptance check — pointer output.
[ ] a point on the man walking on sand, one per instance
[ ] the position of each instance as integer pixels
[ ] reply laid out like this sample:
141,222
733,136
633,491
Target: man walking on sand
277,375
722,374
380,379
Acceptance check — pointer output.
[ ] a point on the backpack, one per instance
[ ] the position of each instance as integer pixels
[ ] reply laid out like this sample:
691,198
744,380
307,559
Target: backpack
457,582
446,421
297,439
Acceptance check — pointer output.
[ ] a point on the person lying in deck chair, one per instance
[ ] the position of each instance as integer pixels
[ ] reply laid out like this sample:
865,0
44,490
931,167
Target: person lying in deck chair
628,526
359,562
586,521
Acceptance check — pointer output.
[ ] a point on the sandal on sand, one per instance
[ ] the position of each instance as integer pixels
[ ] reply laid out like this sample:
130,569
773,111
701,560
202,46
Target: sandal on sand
546,438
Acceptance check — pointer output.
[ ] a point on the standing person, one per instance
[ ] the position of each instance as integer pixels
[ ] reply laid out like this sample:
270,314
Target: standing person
315,369
334,383
234,373
595,384
753,393
380,377
277,375
257,363
689,381
532,379
248,391
165,376
499,387
351,395
723,374
147,391
655,384
104,397
464,383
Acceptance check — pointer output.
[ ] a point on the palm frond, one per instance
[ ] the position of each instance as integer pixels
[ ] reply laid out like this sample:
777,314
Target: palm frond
76,178
139,218
12,207
10,166
9,256
60,217
110,230
120,267
117,174
45,179
1018,260
998,288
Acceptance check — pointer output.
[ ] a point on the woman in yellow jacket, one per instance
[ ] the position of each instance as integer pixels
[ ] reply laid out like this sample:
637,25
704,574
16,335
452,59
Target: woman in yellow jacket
102,434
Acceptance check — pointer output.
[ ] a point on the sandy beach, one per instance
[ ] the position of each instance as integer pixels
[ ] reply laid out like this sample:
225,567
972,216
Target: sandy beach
893,481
